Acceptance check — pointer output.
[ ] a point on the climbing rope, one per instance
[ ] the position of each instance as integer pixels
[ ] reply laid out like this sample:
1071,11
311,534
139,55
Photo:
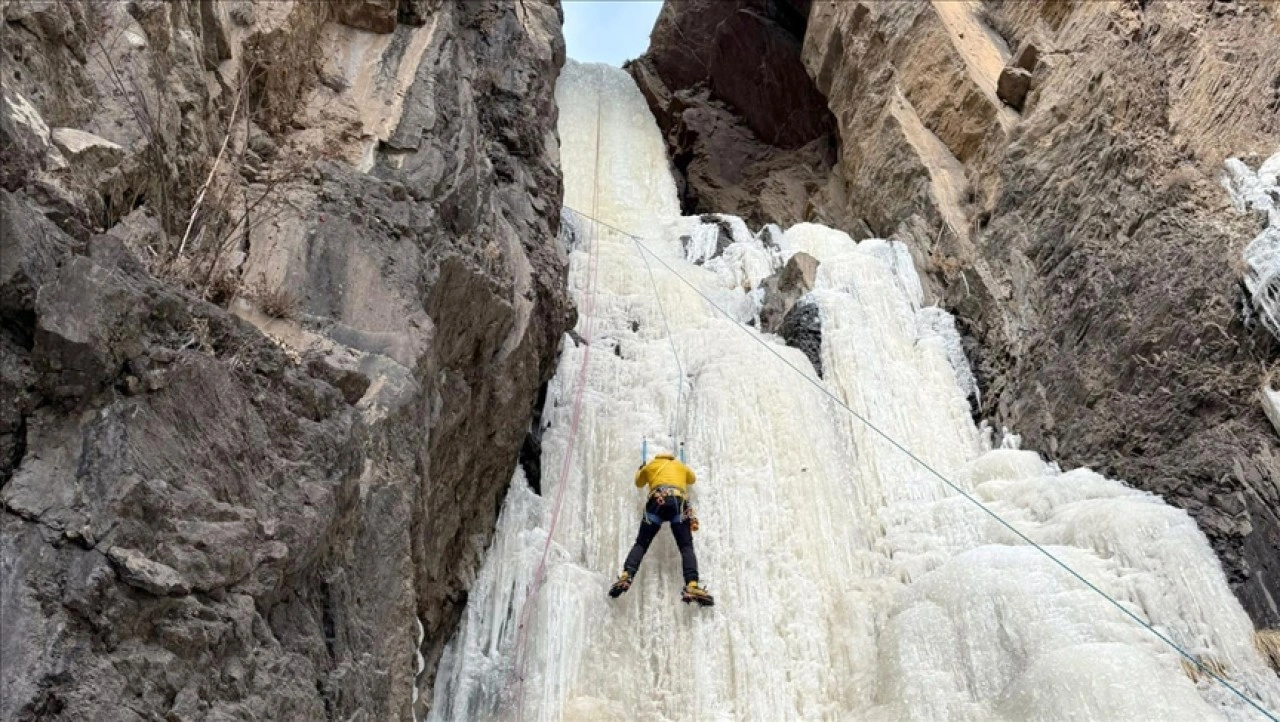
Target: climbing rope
580,383
894,442
675,420
588,327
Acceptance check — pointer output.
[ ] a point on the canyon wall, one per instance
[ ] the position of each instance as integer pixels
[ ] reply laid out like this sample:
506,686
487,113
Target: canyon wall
280,284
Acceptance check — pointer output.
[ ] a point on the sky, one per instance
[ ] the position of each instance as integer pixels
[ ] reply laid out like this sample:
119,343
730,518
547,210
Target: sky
608,31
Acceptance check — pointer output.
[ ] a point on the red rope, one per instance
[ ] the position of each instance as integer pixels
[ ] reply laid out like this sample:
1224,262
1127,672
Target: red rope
589,302
539,576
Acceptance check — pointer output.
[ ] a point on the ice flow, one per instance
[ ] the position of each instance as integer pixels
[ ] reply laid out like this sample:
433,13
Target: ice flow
850,583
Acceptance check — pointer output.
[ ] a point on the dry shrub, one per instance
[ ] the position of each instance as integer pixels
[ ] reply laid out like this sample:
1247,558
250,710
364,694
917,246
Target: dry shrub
222,288
1207,665
1267,642
289,60
275,302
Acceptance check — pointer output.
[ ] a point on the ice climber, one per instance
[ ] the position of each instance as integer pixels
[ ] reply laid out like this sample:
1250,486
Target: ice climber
668,482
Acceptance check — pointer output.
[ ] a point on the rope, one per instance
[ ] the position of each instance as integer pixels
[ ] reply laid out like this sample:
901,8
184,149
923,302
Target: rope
675,421
822,388
539,576
593,267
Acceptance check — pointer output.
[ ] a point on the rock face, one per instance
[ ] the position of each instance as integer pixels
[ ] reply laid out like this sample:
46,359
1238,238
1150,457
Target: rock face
749,133
785,288
1055,169
277,295
801,328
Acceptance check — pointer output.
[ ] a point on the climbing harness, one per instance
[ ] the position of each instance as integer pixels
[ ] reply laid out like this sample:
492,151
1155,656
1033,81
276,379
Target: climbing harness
657,502
1192,659
661,493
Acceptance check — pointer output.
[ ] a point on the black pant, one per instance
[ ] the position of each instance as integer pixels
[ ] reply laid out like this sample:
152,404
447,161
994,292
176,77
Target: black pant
670,510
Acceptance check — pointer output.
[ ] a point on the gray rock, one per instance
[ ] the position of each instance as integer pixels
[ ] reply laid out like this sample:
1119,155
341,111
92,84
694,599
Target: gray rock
416,12
215,22
801,328
81,147
242,13
25,145
33,247
281,499
150,576
90,321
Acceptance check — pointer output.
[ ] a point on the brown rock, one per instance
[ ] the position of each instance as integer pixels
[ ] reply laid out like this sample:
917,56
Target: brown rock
785,288
1013,86
799,274
1027,57
745,123
755,68
377,16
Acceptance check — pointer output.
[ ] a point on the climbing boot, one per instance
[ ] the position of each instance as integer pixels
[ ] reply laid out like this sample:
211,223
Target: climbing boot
622,585
694,592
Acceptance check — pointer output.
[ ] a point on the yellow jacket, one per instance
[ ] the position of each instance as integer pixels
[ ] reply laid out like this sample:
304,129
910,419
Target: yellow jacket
664,470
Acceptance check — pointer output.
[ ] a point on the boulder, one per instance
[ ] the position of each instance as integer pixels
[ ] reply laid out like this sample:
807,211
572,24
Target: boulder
785,288
90,321
378,16
150,576
1027,57
802,329
85,151
33,248
1013,86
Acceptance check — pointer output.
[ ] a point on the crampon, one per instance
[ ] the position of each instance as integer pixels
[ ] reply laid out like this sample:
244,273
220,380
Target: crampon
694,592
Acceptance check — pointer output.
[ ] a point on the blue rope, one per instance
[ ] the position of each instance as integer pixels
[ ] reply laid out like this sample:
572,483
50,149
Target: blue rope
1191,658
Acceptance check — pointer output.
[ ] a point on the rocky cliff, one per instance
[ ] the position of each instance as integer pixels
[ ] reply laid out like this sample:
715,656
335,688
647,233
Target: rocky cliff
748,132
279,286
1056,169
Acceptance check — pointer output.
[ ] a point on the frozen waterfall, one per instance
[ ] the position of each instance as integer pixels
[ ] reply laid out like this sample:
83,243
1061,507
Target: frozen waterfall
849,582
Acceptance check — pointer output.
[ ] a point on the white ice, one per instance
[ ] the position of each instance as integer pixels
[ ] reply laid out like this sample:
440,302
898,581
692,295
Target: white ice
849,582
1260,192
